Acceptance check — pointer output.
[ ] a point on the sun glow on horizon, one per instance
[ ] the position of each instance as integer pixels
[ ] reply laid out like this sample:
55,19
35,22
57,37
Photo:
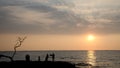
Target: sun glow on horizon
90,37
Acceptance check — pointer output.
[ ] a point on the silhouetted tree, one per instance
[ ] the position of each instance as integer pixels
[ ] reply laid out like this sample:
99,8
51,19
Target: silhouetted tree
6,57
18,44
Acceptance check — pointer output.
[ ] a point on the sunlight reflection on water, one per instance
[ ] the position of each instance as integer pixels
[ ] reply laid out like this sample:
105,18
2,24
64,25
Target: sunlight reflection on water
91,58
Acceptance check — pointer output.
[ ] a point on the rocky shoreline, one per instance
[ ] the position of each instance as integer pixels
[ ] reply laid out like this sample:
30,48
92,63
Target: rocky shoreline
37,64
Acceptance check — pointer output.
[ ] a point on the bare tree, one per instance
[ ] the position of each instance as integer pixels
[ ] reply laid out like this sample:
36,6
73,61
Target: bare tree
18,44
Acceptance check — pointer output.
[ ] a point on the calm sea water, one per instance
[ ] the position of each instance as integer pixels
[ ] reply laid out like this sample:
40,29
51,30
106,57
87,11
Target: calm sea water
103,59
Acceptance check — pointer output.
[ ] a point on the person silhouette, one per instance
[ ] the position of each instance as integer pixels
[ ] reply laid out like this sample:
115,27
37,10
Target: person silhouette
27,57
38,58
46,58
53,57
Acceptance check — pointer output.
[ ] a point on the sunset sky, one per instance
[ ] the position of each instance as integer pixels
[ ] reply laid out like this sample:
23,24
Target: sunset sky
60,24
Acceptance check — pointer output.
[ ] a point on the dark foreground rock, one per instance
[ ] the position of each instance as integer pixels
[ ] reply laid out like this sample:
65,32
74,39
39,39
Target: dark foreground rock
36,64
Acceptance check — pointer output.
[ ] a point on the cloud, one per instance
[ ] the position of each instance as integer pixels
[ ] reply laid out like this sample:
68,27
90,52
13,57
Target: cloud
59,16
26,16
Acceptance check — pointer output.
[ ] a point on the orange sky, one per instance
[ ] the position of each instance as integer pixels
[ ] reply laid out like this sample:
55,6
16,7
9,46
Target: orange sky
61,42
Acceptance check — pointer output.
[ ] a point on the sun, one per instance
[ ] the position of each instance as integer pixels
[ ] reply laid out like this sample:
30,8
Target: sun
90,37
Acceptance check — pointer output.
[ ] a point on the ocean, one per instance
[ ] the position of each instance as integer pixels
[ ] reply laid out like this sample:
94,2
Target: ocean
97,58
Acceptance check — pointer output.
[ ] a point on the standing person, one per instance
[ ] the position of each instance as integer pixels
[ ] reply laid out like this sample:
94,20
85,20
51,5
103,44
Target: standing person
46,58
27,57
53,57
38,58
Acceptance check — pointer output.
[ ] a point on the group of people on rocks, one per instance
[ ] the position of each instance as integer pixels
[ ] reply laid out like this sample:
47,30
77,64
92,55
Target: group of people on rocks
27,57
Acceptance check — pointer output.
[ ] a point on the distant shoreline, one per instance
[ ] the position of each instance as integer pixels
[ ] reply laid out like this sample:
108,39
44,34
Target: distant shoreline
57,50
